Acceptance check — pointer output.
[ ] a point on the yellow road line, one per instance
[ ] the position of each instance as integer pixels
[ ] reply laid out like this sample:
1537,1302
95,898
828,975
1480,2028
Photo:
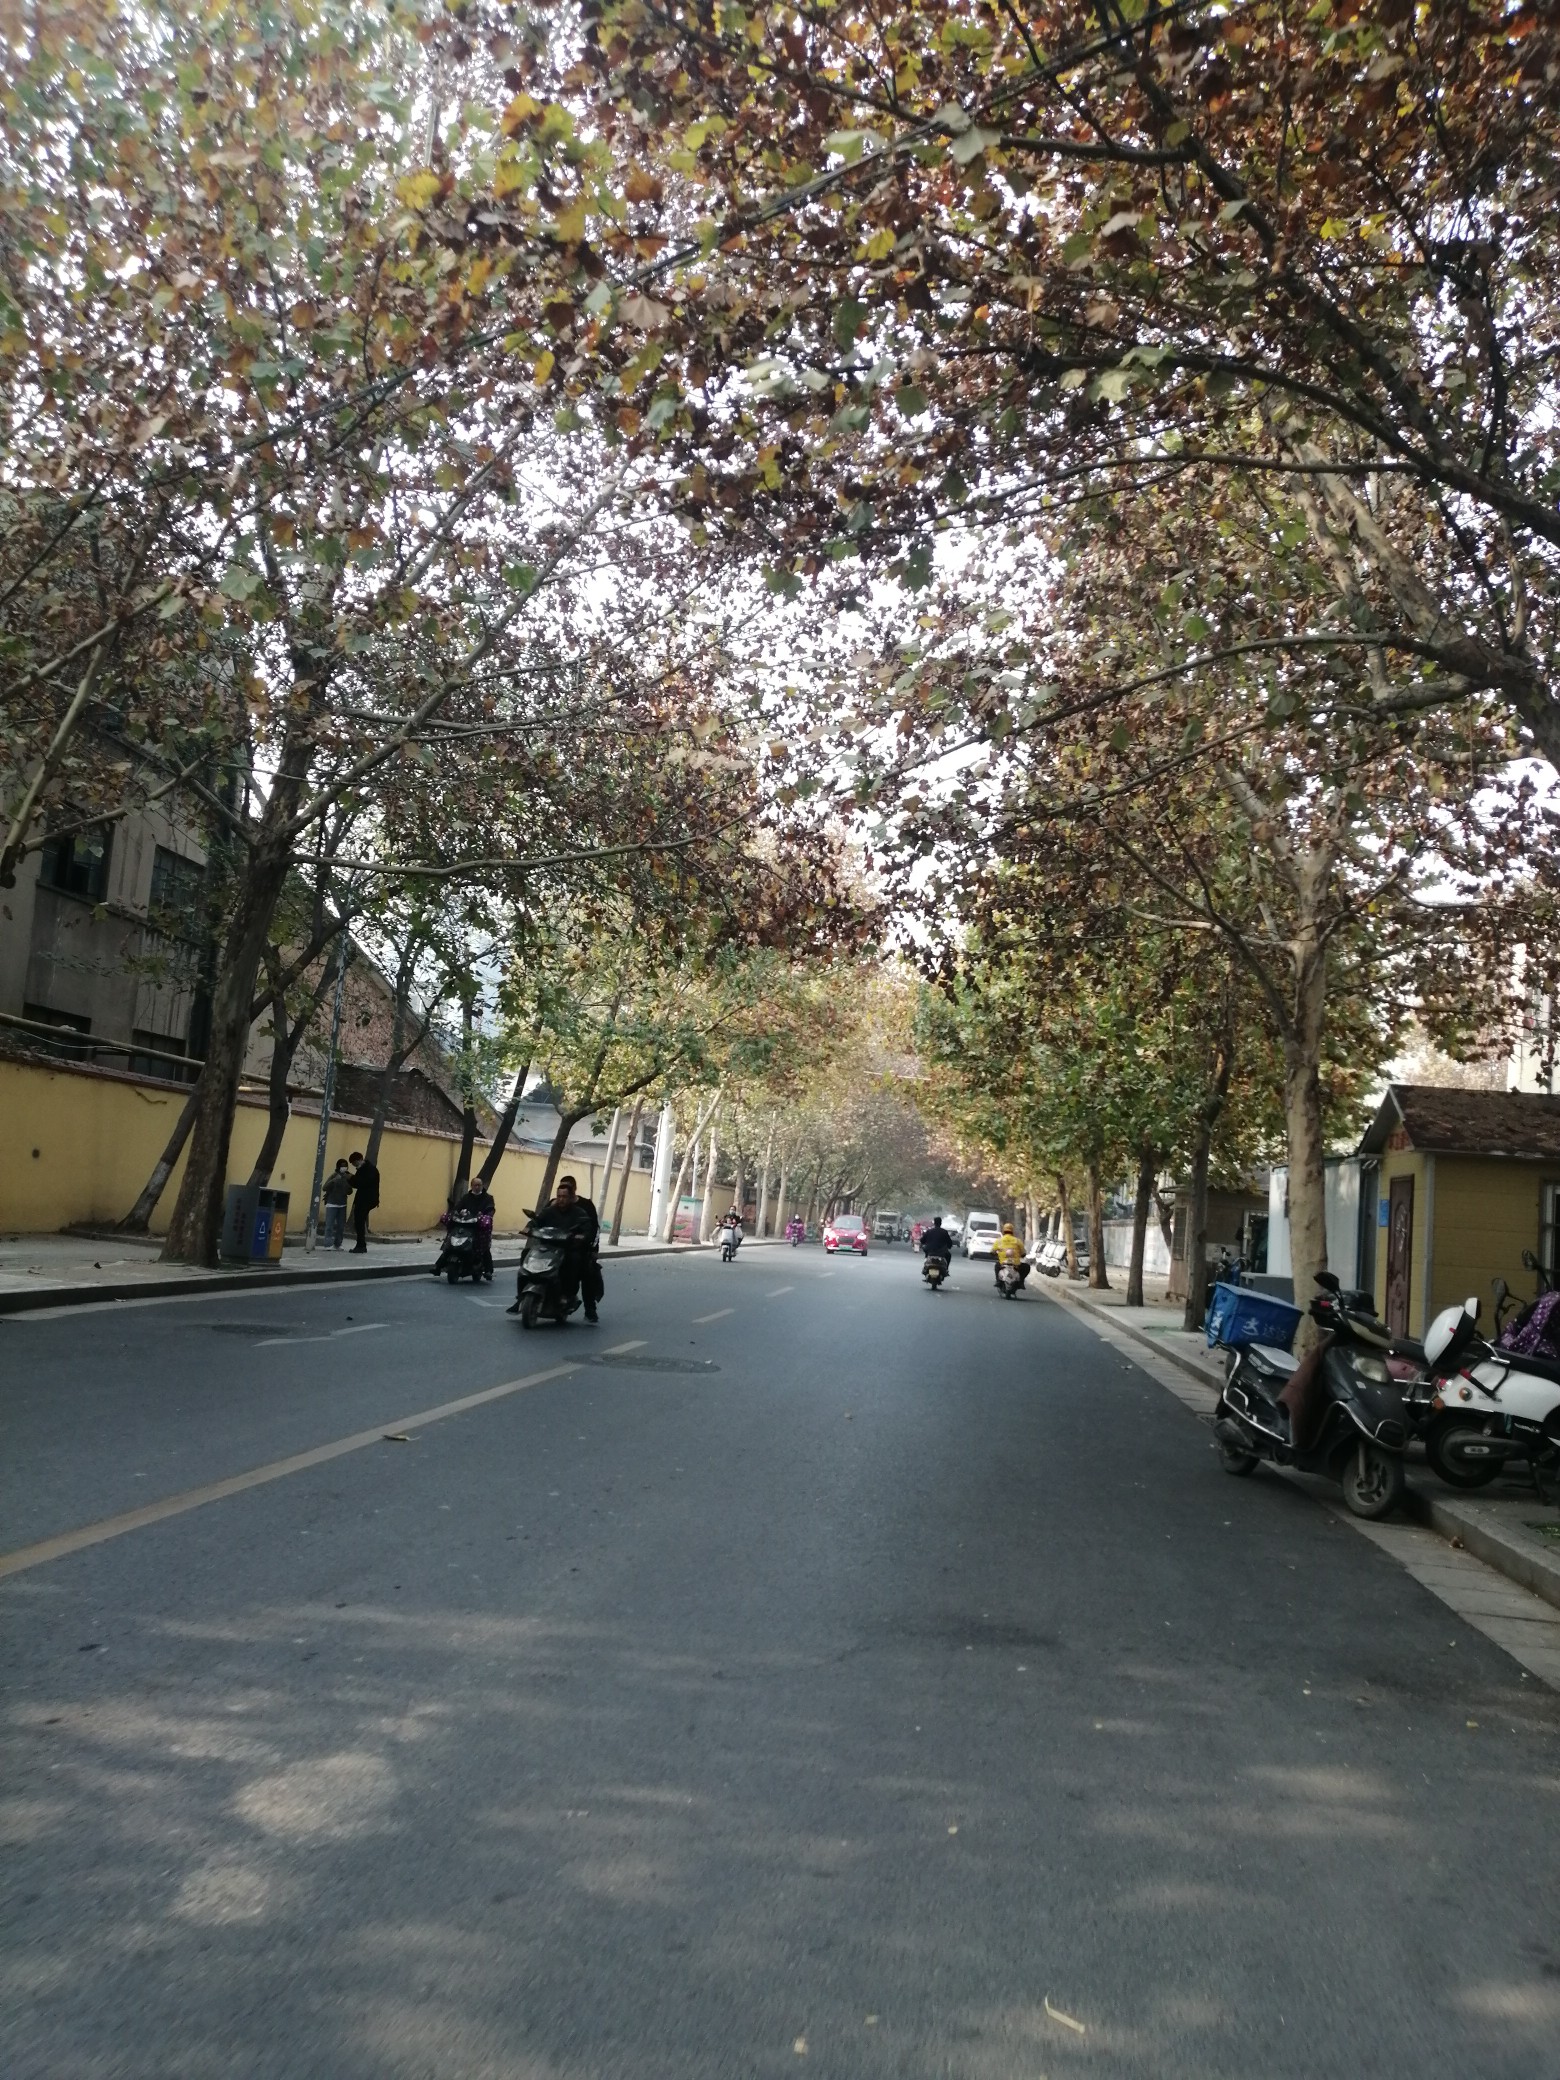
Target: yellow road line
257,1477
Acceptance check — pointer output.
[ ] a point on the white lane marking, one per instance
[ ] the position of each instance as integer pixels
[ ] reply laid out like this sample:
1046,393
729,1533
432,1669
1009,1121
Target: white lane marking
488,1303
1524,1625
719,1313
825,1274
775,1295
271,1343
617,1350
258,1476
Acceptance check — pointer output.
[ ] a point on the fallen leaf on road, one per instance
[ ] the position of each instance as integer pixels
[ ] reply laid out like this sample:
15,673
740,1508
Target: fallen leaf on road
397,1437
800,2047
953,1830
1474,1724
1067,2021
871,2022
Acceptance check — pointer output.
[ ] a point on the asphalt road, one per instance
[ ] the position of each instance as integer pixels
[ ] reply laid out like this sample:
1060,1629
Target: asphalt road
839,1682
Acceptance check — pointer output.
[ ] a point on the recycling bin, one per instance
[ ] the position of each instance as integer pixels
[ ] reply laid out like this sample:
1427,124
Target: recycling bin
254,1224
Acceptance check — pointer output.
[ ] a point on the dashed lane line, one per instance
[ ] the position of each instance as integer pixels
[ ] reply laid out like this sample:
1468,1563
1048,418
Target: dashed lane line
775,1295
719,1315
271,1343
620,1350
105,1528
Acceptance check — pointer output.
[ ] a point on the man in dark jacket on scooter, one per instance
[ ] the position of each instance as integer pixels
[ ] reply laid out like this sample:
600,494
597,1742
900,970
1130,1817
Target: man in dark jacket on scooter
475,1201
582,1224
937,1242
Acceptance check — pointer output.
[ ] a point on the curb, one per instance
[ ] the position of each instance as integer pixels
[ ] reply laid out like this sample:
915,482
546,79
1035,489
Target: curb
1201,1373
1487,1542
251,1281
1459,1524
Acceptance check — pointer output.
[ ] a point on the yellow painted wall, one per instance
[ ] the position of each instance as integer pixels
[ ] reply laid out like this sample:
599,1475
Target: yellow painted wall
1486,1215
78,1146
1404,1164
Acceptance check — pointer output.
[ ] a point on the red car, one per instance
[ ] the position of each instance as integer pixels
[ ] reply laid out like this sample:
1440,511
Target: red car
846,1231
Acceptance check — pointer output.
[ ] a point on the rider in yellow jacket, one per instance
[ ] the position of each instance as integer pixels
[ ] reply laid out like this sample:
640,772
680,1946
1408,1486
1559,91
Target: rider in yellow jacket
1007,1249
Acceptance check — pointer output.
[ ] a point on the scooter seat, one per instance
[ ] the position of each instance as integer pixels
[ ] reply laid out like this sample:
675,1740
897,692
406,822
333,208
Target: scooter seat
1521,1361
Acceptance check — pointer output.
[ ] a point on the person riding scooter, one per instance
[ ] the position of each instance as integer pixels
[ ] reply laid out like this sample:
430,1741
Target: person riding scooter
937,1242
581,1224
475,1202
1007,1249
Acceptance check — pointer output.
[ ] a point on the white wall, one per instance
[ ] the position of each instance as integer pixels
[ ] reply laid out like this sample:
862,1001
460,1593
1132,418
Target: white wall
1156,1251
1343,1222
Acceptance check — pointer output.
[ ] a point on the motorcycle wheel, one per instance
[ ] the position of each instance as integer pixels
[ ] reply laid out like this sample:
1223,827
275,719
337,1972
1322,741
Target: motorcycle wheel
1456,1473
1232,1458
530,1307
1373,1482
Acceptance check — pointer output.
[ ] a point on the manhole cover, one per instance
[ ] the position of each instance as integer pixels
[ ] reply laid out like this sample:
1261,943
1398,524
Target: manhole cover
629,1363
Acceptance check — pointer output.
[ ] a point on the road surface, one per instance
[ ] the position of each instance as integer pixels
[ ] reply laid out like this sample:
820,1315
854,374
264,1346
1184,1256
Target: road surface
837,1680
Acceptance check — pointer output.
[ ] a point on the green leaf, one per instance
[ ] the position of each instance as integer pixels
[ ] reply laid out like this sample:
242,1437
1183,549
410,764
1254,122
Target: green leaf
911,399
849,317
969,144
238,582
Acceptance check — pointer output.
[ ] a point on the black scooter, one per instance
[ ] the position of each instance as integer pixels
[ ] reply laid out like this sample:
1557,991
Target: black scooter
934,1270
1338,1411
548,1285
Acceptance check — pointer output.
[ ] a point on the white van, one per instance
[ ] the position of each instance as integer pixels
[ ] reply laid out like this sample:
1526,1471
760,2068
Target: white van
980,1234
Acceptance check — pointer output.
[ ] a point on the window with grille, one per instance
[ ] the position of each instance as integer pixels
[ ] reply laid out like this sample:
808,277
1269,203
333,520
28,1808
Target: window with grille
64,1023
178,889
77,864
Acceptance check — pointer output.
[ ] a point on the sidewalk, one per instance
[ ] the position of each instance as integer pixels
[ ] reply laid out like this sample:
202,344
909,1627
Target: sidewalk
1504,1525
73,1270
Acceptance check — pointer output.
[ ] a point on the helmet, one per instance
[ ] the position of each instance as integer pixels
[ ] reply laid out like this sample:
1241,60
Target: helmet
1449,1335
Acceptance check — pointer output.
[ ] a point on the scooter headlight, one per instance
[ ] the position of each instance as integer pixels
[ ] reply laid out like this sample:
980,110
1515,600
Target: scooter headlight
1370,1368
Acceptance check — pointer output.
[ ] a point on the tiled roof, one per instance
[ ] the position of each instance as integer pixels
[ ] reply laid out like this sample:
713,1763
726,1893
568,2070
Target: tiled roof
1467,1123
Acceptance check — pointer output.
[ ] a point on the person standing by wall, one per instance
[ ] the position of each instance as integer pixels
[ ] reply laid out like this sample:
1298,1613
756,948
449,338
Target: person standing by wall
338,1189
365,1197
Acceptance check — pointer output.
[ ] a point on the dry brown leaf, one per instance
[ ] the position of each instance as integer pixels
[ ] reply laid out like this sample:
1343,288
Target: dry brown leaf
1067,2021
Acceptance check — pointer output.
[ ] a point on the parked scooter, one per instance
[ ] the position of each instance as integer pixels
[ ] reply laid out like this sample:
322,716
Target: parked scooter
1489,1405
542,1287
467,1250
1338,1411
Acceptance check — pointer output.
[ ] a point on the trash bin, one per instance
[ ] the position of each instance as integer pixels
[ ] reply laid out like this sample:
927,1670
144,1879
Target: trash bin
254,1224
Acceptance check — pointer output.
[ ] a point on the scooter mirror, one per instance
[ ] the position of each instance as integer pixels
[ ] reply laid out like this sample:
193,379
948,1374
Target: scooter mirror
1529,1261
1500,1289
1330,1280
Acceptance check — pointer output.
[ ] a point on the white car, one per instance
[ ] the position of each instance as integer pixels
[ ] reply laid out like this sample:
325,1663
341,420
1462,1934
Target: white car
980,1234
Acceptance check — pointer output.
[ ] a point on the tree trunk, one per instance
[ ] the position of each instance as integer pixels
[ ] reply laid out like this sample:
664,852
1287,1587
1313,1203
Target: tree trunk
1202,1155
759,1226
280,1105
1064,1215
502,1132
196,1224
1099,1277
139,1219
782,1207
1303,1122
628,1170
468,1111
707,1210
612,1142
400,1047
567,1122
1148,1163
